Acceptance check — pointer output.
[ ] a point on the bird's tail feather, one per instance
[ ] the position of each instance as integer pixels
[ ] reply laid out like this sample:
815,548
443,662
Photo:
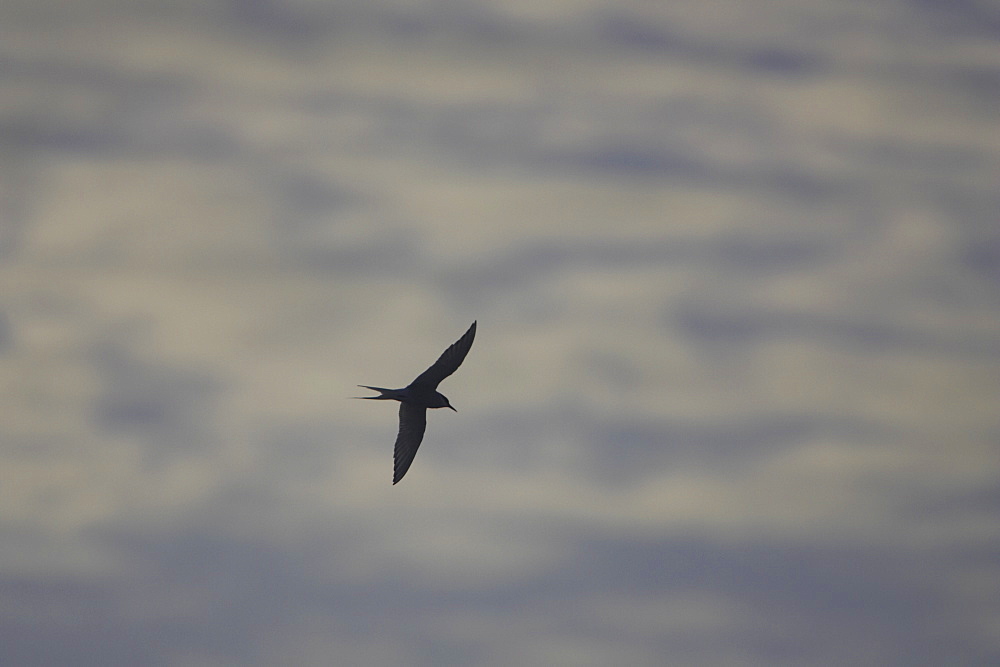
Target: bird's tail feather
384,394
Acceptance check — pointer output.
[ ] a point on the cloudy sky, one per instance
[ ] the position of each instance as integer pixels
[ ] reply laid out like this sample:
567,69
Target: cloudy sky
735,395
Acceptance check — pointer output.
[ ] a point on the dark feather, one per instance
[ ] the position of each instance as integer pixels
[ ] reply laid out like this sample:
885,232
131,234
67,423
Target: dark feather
412,422
448,362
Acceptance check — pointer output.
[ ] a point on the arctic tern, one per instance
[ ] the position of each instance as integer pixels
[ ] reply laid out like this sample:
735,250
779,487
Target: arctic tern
415,398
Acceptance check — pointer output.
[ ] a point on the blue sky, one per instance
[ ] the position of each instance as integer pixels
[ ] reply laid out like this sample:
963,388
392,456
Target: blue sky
733,398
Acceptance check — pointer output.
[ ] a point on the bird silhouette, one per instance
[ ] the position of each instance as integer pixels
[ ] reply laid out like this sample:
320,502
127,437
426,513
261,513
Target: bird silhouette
415,398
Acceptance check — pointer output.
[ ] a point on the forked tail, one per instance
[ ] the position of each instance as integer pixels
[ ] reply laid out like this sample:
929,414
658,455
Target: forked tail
384,394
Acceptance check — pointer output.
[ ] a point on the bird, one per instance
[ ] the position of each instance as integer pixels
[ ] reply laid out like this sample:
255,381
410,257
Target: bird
416,397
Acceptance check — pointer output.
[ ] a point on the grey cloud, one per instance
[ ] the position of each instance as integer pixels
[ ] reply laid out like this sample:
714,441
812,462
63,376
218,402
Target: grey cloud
872,605
184,481
169,409
636,32
529,265
983,258
715,325
644,449
966,15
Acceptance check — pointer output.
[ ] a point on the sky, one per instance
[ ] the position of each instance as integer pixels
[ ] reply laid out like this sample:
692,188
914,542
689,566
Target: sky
734,394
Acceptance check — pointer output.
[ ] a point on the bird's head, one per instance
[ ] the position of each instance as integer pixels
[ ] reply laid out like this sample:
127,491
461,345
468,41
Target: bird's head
440,401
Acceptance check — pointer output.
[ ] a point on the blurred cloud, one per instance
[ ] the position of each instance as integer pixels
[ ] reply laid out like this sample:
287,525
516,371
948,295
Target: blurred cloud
733,399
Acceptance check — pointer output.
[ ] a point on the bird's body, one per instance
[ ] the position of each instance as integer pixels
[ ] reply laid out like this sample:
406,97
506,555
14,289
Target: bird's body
415,398
418,396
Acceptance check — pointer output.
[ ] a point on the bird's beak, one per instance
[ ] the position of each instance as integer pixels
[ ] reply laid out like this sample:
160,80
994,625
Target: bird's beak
453,408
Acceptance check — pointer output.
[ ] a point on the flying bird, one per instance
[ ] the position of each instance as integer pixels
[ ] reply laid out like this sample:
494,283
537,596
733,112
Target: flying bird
415,398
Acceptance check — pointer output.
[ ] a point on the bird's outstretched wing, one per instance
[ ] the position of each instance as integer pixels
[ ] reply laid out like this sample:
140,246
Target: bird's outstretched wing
448,362
412,422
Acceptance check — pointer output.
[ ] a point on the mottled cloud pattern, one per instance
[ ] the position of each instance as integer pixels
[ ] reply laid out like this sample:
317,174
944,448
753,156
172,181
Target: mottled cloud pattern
733,400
